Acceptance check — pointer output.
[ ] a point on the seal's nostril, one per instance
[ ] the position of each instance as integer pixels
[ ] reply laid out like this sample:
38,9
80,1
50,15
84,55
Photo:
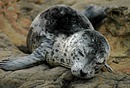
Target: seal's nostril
82,73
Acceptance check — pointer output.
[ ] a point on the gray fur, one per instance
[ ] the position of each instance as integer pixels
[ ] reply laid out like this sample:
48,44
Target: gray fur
63,36
93,12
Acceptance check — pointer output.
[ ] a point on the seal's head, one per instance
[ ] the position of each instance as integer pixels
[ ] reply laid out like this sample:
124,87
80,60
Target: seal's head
91,55
89,67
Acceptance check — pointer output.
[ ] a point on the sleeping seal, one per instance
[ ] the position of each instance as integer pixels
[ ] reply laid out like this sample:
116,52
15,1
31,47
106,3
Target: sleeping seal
63,36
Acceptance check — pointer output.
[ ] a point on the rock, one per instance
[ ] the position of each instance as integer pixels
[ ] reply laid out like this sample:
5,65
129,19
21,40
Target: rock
12,23
15,19
104,80
116,29
6,47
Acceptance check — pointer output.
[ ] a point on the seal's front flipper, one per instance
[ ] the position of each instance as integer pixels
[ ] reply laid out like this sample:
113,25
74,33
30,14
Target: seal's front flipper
15,64
38,55
109,68
19,63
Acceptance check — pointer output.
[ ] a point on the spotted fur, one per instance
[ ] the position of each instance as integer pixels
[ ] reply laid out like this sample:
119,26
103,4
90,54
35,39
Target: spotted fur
63,36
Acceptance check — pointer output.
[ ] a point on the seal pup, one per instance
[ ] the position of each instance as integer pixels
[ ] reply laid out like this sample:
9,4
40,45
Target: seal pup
63,36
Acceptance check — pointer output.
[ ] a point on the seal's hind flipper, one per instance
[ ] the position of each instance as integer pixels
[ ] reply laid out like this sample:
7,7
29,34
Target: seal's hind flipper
109,69
96,14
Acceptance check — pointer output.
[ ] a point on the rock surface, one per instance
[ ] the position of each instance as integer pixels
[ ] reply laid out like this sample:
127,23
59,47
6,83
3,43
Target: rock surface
15,18
12,23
